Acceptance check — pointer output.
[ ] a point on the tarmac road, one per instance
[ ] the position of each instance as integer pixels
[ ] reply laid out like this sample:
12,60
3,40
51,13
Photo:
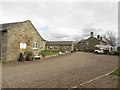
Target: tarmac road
58,72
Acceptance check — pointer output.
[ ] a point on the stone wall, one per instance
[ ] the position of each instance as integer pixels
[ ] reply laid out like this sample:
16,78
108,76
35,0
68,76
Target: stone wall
90,44
43,44
0,45
81,46
22,32
3,46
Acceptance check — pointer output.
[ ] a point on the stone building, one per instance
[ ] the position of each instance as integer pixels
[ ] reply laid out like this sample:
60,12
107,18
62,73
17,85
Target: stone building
19,37
60,45
89,44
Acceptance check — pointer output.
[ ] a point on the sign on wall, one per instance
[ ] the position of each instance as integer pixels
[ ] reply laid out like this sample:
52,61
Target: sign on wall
23,45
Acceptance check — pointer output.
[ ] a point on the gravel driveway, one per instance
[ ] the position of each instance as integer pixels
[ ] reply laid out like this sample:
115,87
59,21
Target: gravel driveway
58,72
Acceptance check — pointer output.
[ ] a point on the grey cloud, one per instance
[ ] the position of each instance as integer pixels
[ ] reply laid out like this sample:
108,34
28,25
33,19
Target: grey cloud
59,36
86,31
76,37
56,15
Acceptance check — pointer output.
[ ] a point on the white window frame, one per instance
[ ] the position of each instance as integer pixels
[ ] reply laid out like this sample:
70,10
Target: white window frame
35,45
23,45
81,43
51,47
65,47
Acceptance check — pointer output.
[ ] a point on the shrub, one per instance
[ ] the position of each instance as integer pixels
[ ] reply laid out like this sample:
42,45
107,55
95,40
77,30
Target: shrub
29,55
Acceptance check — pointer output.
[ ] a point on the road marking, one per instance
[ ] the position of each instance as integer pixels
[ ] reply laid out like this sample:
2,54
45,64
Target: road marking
93,79
80,85
96,78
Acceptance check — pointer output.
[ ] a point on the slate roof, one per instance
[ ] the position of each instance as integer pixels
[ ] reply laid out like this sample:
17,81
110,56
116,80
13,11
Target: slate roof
59,42
97,39
7,26
84,40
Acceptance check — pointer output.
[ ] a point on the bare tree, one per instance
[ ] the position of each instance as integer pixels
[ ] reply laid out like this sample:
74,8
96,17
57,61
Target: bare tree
110,38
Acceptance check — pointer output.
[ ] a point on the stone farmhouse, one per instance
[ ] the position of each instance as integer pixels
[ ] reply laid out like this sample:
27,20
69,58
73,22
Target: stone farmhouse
19,37
60,45
89,44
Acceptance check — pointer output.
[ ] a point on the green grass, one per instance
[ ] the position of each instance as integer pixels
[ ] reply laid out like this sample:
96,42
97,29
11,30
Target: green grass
117,71
48,52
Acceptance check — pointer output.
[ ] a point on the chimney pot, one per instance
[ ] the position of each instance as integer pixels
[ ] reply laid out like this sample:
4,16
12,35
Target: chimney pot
98,37
91,34
101,38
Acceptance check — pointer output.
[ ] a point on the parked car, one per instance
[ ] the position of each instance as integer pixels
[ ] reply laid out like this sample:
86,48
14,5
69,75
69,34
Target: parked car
99,51
104,49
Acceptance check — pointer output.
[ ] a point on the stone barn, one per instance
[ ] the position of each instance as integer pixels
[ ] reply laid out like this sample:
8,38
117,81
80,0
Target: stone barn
19,37
60,45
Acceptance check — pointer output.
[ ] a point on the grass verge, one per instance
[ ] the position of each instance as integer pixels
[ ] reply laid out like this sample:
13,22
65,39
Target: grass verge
48,52
117,71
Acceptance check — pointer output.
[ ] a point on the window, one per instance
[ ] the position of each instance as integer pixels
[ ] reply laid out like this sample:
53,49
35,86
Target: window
23,45
35,45
65,47
55,47
50,47
81,43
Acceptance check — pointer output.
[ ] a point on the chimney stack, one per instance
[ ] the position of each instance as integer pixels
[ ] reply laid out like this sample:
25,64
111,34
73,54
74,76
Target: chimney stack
101,38
98,37
91,34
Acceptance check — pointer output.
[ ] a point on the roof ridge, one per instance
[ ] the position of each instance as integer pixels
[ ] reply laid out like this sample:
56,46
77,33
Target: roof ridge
15,22
10,25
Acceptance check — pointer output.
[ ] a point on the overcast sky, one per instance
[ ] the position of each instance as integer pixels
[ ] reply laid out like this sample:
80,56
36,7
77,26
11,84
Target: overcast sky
64,20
